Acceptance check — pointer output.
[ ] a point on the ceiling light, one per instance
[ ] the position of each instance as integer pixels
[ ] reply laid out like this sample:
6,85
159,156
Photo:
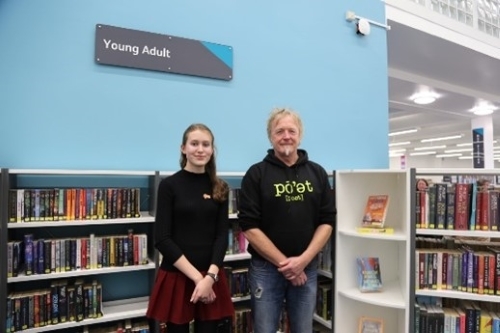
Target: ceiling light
396,155
423,153
442,138
397,150
394,144
457,150
430,147
448,155
413,130
483,108
465,158
424,97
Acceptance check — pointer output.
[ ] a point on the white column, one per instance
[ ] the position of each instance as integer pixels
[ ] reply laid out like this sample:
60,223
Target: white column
482,142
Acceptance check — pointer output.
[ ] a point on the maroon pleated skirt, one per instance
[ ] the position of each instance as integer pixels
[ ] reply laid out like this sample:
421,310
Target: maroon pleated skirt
170,300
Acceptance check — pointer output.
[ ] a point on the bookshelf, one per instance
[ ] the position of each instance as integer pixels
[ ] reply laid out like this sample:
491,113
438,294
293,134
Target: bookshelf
392,304
115,311
4,217
118,300
448,240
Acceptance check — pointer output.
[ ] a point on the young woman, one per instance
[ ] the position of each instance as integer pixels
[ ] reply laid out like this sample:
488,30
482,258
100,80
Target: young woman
191,229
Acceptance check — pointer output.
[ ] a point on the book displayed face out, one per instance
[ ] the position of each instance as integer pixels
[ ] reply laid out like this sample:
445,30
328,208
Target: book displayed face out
369,275
371,325
375,211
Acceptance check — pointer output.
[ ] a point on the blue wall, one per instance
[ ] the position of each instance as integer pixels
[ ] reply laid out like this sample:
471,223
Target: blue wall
59,109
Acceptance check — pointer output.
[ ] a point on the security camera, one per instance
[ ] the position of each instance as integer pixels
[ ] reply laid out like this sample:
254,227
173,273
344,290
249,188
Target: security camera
363,27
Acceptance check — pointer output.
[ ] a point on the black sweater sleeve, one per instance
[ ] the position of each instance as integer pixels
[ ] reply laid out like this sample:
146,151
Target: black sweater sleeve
249,207
221,240
328,211
164,222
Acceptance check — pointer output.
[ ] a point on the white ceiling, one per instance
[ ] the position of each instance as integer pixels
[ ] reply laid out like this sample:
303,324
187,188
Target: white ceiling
460,75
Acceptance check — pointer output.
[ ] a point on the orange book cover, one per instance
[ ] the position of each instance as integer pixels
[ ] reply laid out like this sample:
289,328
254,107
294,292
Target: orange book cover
375,211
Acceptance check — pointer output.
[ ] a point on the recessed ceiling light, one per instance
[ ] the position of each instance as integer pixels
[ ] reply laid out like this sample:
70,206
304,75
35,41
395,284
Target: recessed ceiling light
448,155
423,153
424,97
394,144
412,130
483,108
430,147
451,137
461,150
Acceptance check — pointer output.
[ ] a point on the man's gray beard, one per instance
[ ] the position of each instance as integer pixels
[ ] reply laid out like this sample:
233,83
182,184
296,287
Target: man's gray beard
287,151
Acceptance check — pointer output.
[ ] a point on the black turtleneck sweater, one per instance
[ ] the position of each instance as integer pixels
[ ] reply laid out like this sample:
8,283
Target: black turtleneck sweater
189,222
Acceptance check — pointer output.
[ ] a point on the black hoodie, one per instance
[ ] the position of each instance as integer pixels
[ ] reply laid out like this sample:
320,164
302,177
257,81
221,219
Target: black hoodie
287,203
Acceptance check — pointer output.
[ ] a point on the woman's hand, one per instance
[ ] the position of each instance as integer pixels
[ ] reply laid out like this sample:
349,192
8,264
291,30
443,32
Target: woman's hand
203,291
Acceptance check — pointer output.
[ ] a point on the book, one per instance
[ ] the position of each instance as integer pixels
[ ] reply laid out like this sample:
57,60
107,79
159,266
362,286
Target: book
370,325
375,211
366,230
369,274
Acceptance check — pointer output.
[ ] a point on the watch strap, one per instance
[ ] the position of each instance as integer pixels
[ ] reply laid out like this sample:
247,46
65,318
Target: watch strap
213,276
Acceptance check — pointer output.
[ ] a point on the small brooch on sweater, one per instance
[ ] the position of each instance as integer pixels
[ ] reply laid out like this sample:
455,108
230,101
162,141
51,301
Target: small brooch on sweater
206,196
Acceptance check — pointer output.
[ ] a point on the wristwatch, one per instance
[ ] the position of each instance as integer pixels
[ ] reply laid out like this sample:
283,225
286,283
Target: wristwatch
213,276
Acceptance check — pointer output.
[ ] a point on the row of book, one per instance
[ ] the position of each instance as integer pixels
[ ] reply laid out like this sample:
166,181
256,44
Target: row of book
237,279
237,242
60,303
67,204
45,256
242,322
325,258
458,207
462,270
466,265
455,316
234,198
324,300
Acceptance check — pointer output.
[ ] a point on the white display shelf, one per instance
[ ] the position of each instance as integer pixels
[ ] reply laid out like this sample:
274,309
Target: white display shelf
353,187
113,311
81,272
390,296
145,218
396,236
238,256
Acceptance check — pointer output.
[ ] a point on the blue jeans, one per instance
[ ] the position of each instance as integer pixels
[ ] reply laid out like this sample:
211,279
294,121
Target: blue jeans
268,290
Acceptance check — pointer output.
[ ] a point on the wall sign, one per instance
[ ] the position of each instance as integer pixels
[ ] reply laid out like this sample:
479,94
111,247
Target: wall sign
145,50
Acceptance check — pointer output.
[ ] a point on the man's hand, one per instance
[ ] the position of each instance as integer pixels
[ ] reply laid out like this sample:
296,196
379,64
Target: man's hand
300,280
292,267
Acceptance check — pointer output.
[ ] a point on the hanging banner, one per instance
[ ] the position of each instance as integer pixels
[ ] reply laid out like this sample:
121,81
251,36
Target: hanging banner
152,51
478,148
